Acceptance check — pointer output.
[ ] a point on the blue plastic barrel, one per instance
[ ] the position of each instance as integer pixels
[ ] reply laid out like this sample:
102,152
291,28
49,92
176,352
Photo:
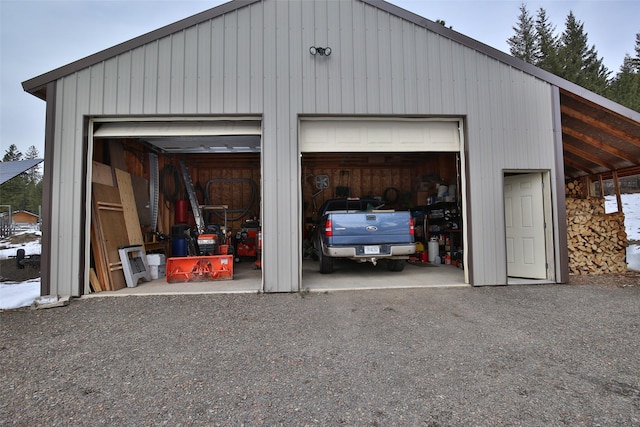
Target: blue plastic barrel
179,246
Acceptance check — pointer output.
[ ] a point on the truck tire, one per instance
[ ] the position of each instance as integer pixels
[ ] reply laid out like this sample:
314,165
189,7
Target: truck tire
326,263
396,264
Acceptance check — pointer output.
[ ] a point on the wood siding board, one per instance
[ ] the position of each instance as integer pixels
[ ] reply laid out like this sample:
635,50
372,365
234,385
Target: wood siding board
371,53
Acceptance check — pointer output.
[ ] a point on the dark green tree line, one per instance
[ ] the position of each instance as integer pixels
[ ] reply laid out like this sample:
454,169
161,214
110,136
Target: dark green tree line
23,192
570,56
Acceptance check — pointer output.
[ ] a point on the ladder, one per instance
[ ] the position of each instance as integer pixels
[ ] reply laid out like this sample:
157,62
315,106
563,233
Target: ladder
195,207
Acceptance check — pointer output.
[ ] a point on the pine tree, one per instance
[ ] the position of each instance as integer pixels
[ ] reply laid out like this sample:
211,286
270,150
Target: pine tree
12,154
625,87
546,44
579,63
33,174
523,43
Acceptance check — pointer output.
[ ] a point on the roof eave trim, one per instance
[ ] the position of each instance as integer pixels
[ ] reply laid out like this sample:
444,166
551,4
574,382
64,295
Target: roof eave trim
36,85
505,58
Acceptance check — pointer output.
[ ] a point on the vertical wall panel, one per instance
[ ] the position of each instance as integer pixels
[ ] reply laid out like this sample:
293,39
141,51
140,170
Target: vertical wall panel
123,97
204,68
136,94
96,90
177,73
243,98
230,63
191,68
151,77
163,95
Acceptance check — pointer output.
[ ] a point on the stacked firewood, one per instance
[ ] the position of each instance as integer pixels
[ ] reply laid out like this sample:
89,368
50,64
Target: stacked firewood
597,241
575,189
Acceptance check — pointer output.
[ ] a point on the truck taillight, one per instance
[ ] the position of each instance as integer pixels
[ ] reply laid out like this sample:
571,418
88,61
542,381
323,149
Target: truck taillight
328,228
411,229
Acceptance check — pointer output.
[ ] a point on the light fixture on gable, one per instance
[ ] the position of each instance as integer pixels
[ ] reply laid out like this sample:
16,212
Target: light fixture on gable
322,51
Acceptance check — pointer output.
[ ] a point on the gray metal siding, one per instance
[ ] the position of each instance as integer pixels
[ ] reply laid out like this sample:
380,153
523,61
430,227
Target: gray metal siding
255,60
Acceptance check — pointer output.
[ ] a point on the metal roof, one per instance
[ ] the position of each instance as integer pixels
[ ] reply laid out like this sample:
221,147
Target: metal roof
9,170
599,135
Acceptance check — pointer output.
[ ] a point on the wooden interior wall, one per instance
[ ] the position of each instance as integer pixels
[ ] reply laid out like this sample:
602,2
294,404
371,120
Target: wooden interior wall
366,174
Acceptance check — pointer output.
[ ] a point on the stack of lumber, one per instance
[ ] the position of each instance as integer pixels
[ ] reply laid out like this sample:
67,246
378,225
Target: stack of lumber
596,241
114,224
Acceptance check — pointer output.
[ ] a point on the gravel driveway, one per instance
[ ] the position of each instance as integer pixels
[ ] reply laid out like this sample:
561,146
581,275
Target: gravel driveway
519,355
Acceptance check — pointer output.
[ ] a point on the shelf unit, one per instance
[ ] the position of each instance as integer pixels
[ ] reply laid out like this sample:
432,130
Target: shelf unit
443,221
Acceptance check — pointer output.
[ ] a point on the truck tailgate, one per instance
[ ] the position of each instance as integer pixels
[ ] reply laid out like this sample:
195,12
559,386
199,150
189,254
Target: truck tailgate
370,228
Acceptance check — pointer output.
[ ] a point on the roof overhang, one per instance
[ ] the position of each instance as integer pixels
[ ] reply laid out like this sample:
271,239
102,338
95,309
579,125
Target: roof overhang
9,170
596,140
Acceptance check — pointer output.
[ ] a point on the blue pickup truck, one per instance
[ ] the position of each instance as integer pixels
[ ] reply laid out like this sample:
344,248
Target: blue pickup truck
359,229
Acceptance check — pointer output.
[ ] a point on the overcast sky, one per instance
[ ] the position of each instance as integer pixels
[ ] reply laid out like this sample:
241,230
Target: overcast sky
37,36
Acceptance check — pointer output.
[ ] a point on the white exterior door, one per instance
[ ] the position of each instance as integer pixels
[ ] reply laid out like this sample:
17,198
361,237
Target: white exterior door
524,221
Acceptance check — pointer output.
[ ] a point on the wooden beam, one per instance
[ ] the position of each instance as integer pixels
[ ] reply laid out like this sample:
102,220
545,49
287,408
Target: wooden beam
588,156
599,124
616,185
600,145
578,167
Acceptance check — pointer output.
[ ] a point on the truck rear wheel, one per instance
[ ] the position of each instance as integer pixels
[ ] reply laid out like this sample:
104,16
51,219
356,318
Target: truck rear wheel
396,265
326,263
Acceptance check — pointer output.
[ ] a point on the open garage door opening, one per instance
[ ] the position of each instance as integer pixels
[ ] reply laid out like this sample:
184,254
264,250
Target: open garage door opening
395,166
188,192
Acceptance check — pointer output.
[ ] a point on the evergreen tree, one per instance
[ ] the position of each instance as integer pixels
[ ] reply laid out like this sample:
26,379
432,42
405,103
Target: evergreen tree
523,43
546,44
625,87
12,154
23,192
33,174
579,63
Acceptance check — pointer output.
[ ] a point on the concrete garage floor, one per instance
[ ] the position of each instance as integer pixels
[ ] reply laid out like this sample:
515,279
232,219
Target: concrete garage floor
348,275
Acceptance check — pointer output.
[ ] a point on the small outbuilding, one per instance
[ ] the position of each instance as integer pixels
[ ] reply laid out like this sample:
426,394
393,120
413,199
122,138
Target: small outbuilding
271,107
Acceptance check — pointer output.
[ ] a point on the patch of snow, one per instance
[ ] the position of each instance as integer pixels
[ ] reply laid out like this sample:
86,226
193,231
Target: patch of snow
16,295
631,209
30,248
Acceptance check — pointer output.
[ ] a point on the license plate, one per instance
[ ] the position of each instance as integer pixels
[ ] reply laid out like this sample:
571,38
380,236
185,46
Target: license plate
371,250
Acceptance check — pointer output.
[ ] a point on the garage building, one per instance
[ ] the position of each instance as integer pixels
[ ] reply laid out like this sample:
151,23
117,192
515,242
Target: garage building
264,101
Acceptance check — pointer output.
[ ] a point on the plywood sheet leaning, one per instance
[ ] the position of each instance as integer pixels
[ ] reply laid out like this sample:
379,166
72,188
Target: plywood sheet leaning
129,208
101,173
111,231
